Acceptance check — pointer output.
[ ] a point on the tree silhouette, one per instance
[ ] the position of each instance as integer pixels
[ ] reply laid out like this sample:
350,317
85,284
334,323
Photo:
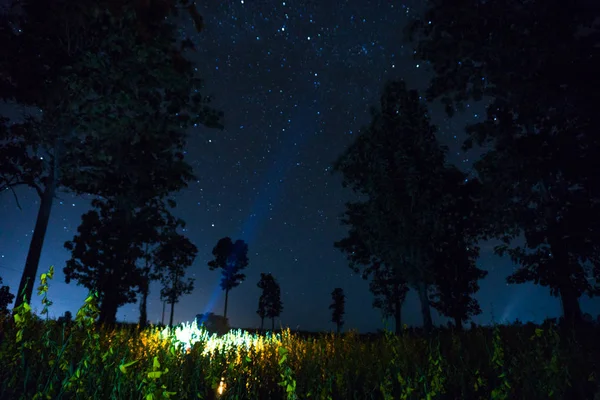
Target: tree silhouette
266,284
338,305
274,303
398,165
159,224
231,258
174,254
540,128
457,279
6,298
67,318
389,289
102,260
97,88
269,303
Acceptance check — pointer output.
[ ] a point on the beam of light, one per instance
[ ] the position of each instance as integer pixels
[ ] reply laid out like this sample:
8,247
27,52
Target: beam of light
292,141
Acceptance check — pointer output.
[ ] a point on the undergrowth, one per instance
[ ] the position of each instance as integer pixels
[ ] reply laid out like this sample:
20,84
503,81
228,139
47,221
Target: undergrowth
43,359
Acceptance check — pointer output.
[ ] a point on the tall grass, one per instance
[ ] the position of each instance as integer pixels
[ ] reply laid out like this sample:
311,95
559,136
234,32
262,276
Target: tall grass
43,359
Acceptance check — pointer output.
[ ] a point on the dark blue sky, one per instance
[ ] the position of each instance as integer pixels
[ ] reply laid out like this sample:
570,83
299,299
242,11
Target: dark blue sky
295,80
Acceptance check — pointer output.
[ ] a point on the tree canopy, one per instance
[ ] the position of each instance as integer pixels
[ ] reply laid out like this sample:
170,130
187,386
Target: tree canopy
537,63
102,87
231,258
398,165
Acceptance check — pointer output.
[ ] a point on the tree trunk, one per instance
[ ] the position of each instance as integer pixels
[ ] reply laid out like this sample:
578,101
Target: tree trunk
568,295
338,328
162,321
571,308
422,290
398,313
262,323
172,312
458,323
226,298
108,310
37,242
144,305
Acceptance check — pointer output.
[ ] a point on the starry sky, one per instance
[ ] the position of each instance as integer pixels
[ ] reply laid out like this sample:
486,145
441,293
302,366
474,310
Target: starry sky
295,80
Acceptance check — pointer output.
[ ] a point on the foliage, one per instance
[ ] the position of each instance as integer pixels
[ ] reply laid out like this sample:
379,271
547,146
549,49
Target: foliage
174,254
269,303
536,61
231,258
102,260
42,359
456,271
6,298
102,87
389,290
397,163
337,306
266,283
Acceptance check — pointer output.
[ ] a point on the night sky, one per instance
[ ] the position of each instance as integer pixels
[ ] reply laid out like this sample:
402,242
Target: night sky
295,80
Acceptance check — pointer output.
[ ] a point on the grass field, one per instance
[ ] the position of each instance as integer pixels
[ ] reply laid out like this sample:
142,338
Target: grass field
44,359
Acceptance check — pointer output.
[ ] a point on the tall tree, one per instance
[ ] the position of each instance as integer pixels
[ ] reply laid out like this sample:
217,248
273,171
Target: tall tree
398,165
338,308
269,303
274,303
267,284
231,258
175,253
387,284
101,260
157,222
100,80
457,277
537,61
389,289
456,272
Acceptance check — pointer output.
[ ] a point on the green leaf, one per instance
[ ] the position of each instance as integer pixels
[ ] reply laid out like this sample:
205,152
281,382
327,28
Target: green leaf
155,374
123,367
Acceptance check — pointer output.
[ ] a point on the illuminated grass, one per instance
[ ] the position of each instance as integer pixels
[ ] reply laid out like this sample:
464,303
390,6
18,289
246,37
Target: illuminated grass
47,360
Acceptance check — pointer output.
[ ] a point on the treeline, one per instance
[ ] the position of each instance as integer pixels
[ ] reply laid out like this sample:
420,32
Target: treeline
116,97
537,179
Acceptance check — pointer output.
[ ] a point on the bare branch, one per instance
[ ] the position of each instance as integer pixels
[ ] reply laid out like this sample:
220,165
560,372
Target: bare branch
16,198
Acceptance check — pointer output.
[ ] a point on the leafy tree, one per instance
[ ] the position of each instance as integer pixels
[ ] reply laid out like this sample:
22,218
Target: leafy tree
387,284
231,258
266,283
338,305
174,254
537,62
157,224
262,310
456,272
389,289
456,281
398,165
102,260
269,303
274,304
102,81
6,298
